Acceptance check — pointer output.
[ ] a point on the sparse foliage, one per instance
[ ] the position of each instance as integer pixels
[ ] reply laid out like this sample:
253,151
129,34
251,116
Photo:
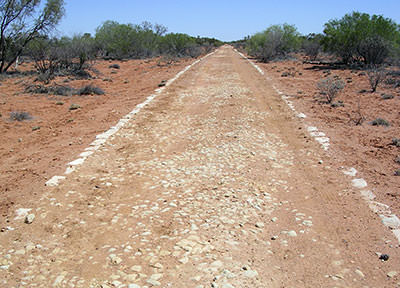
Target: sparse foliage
90,90
380,122
375,77
330,88
312,45
20,116
21,22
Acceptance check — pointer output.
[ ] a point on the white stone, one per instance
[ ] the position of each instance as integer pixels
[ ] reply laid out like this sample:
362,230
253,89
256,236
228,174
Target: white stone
54,181
29,218
350,172
22,213
391,221
359,183
77,162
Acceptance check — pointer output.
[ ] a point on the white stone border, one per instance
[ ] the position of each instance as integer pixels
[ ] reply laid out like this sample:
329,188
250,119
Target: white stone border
103,137
389,219
319,136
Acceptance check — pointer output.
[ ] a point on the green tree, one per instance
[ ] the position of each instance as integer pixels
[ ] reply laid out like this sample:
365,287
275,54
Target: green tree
21,21
275,41
177,44
115,39
360,37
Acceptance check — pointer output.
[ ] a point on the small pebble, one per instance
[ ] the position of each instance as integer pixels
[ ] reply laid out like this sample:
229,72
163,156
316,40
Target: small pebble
29,218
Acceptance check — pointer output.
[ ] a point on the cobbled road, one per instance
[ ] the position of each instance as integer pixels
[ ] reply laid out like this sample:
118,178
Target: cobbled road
215,183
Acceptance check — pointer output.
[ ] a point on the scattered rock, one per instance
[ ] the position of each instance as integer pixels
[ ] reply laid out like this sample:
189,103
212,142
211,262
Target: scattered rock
250,273
384,257
292,233
360,273
136,268
162,83
359,183
153,282
392,274
115,259
29,218
260,225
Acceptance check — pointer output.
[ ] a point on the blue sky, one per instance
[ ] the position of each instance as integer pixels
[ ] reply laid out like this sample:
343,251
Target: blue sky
222,19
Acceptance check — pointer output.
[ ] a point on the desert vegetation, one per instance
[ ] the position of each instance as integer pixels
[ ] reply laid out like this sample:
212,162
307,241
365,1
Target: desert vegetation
356,38
26,26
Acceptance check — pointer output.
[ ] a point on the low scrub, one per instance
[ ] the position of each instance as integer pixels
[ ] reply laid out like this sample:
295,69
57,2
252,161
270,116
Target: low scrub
387,96
330,88
396,142
380,122
20,116
375,77
64,90
90,90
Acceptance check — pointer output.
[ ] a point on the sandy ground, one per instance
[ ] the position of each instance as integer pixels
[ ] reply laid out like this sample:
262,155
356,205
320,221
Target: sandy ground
29,158
215,183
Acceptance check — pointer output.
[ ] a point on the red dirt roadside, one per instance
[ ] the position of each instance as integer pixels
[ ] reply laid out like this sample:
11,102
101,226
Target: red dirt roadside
29,158
365,147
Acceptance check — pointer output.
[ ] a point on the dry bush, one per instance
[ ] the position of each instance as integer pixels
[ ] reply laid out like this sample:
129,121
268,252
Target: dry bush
20,116
330,87
375,77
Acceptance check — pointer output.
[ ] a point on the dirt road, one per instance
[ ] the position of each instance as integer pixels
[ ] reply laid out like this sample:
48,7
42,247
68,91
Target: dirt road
215,183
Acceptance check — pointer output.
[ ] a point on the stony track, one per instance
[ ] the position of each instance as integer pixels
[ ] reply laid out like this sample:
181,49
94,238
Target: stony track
215,183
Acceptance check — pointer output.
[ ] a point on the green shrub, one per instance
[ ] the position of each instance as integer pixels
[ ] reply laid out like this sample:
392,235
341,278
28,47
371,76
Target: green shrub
361,37
275,42
380,122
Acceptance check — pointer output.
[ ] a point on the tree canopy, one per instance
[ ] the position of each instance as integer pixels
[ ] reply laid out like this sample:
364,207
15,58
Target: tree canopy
21,21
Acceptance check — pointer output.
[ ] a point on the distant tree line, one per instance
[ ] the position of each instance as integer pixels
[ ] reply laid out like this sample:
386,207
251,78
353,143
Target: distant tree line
355,38
24,30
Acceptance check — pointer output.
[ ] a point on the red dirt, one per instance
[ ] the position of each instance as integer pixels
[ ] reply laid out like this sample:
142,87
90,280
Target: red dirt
367,148
29,158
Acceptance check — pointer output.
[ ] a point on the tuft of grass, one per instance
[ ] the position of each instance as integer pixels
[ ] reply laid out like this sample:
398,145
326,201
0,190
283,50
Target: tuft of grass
397,159
397,172
74,107
59,103
64,90
20,116
387,96
35,128
114,66
90,90
380,122
396,142
337,104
